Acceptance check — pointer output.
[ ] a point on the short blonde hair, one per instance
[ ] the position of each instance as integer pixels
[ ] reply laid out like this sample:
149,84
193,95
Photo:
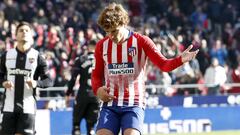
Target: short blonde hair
112,16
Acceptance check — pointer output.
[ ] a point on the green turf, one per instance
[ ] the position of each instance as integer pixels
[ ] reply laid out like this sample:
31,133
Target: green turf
210,133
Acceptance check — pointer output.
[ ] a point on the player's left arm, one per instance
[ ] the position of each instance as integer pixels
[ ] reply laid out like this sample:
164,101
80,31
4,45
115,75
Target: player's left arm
42,73
161,61
157,58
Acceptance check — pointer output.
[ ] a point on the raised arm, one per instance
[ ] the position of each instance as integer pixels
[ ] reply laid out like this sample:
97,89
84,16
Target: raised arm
161,61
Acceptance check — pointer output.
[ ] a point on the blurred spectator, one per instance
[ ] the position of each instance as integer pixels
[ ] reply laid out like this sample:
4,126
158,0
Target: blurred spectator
40,38
235,78
215,75
229,14
135,6
27,10
227,35
176,15
203,56
51,62
186,74
215,12
237,39
11,11
40,18
52,37
157,77
219,51
199,18
69,44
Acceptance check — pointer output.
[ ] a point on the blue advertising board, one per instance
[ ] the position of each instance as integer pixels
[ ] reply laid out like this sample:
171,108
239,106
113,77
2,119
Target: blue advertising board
198,100
200,119
166,120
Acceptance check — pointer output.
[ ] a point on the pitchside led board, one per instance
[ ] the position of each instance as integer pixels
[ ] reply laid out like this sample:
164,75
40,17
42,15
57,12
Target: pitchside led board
157,120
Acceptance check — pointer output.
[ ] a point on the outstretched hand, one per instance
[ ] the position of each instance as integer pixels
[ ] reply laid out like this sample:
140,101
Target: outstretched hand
188,55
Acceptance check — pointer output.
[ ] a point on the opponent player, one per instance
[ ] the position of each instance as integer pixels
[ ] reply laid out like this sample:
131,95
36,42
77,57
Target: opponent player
22,69
87,104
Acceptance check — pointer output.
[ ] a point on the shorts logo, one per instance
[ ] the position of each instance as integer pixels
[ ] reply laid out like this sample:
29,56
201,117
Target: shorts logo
132,51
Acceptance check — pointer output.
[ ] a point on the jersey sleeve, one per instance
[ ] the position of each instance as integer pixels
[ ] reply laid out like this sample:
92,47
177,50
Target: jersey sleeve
157,58
97,76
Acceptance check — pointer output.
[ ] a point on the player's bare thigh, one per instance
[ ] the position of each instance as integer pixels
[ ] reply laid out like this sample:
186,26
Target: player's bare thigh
129,131
104,132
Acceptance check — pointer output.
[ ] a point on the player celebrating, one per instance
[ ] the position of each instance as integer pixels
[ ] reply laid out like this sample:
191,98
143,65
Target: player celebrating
121,58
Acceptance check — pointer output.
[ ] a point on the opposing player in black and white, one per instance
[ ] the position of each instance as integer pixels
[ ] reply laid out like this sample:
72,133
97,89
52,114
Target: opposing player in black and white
86,103
22,69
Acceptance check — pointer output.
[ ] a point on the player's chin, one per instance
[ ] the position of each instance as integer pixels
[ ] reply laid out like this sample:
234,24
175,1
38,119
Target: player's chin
26,41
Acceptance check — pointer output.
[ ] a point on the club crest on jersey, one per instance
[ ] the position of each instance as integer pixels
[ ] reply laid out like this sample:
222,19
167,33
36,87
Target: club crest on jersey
31,60
132,51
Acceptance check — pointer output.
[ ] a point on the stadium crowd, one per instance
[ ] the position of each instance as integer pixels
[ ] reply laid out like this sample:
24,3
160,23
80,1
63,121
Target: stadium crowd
63,30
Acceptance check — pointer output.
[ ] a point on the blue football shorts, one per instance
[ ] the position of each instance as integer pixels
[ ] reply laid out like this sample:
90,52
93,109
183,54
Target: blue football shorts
115,118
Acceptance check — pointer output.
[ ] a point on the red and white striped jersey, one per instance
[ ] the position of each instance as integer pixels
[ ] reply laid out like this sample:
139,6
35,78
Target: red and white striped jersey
122,68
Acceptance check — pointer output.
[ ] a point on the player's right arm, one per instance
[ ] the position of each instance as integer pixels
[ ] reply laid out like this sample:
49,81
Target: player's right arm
97,76
3,81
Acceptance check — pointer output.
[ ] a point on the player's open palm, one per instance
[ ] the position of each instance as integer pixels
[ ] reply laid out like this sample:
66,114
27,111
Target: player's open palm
188,55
